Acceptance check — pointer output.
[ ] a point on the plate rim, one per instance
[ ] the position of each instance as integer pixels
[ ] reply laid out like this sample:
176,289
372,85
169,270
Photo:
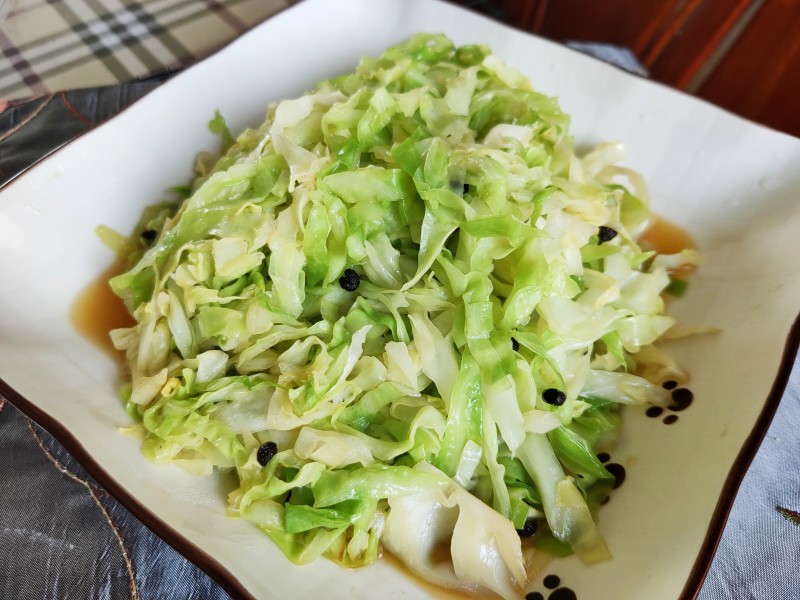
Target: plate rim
225,577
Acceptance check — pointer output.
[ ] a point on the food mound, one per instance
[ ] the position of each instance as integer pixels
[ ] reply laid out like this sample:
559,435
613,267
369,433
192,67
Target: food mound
405,314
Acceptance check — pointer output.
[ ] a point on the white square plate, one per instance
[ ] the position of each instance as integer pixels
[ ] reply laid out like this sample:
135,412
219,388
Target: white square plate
734,185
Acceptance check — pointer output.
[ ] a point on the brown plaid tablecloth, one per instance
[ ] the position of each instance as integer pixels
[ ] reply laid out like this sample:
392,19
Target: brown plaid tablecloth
51,45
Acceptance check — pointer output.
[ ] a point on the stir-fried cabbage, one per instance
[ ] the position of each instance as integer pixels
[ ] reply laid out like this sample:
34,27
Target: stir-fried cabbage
405,313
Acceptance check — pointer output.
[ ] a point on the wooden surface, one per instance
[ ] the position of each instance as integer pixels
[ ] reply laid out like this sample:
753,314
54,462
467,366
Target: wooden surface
760,76
743,55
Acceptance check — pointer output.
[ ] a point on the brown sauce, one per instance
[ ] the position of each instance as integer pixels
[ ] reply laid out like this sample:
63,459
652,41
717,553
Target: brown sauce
666,237
535,563
440,553
97,310
431,590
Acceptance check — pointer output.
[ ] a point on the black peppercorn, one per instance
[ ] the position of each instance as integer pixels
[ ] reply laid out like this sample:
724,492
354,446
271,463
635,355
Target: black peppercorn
528,529
349,280
149,234
554,396
266,453
606,234
514,345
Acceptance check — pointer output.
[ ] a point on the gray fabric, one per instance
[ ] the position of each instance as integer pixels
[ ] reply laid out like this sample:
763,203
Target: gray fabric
619,56
759,554
62,537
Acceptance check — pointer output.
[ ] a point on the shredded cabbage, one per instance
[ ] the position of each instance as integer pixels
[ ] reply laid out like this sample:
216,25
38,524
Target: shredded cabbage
384,283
